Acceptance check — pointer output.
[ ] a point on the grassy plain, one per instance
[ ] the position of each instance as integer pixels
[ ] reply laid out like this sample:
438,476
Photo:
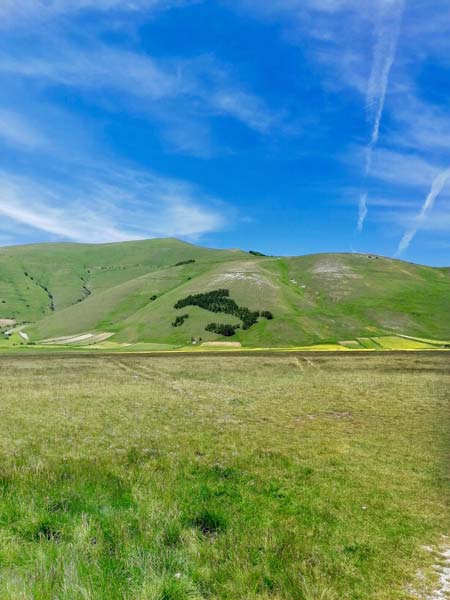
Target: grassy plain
295,476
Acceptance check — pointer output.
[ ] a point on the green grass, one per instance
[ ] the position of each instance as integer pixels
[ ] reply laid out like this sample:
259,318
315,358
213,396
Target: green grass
266,477
64,268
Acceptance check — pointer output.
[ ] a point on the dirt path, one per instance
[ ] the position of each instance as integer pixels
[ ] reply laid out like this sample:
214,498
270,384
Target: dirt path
442,569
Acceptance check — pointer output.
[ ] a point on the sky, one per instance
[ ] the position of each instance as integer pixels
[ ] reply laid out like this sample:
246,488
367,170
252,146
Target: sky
288,126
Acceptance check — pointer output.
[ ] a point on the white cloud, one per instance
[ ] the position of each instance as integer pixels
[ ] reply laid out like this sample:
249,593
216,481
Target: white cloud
201,86
22,11
438,223
184,98
396,202
16,130
101,68
397,217
419,125
245,107
117,205
403,169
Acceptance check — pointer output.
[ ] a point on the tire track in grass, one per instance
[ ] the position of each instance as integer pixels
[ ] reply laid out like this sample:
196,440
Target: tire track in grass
298,364
182,384
179,385
311,363
134,372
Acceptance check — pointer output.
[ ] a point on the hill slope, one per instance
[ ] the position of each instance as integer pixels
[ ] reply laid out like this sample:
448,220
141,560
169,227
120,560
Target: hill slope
130,289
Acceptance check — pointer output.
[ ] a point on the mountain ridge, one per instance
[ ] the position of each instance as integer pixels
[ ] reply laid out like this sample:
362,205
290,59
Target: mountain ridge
130,289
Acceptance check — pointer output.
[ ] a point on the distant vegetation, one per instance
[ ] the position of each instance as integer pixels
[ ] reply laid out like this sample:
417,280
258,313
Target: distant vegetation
222,329
256,253
184,262
219,301
267,315
180,320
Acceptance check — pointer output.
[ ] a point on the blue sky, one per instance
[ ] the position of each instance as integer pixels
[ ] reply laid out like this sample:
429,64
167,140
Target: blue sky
289,126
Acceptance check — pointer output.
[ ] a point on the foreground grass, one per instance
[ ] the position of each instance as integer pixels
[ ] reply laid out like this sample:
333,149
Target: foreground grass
221,477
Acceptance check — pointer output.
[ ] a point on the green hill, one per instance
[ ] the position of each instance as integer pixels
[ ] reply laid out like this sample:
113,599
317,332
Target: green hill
130,289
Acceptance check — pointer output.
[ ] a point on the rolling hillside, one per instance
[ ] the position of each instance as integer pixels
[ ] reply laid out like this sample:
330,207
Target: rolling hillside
130,289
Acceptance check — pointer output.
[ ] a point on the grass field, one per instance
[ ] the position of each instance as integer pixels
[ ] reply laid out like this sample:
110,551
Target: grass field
268,477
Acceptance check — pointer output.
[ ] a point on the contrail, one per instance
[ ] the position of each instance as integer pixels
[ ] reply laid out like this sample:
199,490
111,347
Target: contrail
384,55
436,188
362,212
383,59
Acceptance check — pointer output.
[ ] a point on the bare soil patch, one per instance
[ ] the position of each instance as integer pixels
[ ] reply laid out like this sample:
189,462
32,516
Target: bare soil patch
222,344
7,322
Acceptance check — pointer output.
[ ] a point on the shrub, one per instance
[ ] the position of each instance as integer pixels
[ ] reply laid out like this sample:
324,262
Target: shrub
180,320
184,262
267,315
222,329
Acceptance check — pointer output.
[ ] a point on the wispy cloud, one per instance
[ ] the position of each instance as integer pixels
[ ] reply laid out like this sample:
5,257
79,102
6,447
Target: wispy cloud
60,193
12,11
436,188
16,130
245,107
133,73
116,205
403,169
419,125
395,202
177,93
